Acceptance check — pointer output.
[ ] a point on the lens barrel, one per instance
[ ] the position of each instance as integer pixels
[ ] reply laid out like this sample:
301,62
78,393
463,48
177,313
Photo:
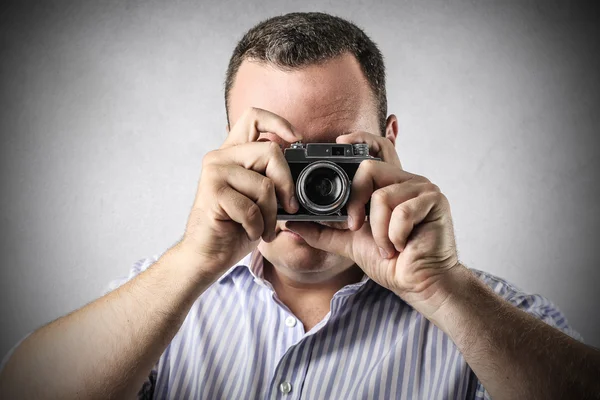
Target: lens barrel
323,188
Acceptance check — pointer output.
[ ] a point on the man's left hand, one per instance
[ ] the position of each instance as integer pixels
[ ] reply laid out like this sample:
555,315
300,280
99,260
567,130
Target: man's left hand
408,244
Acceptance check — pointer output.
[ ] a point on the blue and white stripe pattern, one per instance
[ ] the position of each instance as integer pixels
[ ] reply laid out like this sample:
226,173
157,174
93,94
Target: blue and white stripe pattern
239,341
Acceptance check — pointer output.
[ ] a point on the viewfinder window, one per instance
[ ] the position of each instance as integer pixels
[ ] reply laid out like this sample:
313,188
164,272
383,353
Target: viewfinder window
337,151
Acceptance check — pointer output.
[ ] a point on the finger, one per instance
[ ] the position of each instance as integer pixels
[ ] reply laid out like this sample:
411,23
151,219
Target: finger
257,188
370,176
265,158
338,241
383,202
242,210
255,121
379,146
407,215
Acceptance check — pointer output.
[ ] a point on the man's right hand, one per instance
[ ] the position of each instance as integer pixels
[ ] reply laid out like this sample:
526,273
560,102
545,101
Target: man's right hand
236,200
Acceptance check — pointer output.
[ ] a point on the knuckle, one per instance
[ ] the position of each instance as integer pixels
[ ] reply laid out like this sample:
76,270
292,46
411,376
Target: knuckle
432,187
220,191
441,198
380,196
253,213
273,149
401,213
267,185
420,179
209,158
369,165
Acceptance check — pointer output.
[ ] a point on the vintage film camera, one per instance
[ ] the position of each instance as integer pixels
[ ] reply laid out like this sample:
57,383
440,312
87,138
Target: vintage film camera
323,174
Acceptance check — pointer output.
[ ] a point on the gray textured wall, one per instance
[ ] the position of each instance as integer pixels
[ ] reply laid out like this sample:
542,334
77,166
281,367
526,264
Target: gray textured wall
107,109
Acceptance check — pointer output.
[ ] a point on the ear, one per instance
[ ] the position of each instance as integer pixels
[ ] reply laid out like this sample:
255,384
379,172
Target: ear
391,128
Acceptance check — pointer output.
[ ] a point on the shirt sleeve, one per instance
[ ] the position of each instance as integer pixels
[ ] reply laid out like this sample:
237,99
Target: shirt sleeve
534,304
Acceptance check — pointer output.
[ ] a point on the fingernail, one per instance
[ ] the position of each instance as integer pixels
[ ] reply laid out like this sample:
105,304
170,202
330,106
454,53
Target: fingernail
350,222
383,253
294,203
295,133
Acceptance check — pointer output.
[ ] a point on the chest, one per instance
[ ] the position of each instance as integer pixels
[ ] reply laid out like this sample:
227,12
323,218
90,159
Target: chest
375,348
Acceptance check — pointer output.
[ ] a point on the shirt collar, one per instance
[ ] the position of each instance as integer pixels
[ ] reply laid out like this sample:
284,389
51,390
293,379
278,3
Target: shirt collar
364,278
253,261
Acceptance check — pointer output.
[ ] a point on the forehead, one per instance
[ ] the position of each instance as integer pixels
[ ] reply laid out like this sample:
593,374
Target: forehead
320,101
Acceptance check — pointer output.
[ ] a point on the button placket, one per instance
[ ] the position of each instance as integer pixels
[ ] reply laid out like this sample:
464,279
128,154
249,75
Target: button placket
296,373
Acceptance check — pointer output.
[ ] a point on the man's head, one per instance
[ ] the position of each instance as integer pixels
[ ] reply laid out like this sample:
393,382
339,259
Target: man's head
296,40
327,78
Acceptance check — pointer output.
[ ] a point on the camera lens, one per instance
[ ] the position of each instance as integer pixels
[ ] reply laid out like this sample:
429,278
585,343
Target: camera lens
323,187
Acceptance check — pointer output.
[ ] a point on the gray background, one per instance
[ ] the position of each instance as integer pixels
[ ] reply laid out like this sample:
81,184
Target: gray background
107,109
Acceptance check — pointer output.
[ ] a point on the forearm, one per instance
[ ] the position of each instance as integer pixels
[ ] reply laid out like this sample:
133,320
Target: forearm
107,348
512,353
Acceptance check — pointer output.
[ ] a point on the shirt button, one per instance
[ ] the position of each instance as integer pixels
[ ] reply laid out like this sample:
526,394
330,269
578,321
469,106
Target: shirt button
290,321
285,387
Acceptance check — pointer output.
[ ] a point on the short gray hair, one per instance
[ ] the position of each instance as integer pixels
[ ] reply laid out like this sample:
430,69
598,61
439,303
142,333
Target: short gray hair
298,39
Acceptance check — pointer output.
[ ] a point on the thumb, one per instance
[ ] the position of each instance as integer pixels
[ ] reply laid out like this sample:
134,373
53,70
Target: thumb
322,237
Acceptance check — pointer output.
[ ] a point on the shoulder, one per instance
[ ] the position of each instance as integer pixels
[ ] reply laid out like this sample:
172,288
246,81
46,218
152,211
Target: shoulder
499,285
535,304
132,271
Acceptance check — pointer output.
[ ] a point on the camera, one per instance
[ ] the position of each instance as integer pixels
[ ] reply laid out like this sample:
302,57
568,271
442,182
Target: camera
323,173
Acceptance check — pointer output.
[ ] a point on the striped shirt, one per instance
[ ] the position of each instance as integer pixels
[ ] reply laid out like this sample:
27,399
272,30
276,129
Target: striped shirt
240,341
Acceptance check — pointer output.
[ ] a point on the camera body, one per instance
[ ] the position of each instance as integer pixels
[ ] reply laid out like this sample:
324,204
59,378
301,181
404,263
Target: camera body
323,174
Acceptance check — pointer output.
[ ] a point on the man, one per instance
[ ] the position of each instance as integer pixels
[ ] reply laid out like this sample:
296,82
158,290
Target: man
369,309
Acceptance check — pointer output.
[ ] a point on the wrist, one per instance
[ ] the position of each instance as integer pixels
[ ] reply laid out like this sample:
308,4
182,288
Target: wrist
177,277
453,291
438,298
194,266
467,302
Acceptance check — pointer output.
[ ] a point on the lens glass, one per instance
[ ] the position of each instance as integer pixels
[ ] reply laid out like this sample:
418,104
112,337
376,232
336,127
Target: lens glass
323,186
